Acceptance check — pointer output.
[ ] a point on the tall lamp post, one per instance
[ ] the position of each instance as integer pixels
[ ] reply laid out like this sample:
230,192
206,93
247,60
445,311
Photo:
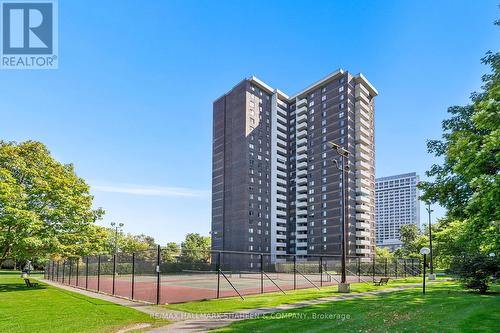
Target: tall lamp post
344,157
431,265
424,251
117,227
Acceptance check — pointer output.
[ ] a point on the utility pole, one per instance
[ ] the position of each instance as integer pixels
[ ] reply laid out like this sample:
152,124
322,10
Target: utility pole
344,168
431,266
116,227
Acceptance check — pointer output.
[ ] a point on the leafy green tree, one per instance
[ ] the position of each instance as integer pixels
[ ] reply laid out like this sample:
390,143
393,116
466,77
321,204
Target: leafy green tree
475,270
45,208
383,252
413,240
170,252
467,183
195,248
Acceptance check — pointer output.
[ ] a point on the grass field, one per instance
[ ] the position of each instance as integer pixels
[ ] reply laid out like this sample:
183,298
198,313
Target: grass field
274,299
445,308
49,309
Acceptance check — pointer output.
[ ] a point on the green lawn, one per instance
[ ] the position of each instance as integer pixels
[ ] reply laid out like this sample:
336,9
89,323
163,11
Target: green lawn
49,309
274,299
445,308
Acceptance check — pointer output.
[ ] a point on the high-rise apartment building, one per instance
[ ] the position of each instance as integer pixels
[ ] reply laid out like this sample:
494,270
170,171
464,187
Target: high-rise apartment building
275,187
397,203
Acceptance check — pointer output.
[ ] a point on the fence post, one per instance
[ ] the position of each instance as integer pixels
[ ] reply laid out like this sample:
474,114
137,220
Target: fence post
114,272
261,273
70,271
294,271
373,269
396,267
158,275
57,272
218,274
133,274
77,271
404,268
385,266
359,269
64,269
412,267
321,271
98,272
87,272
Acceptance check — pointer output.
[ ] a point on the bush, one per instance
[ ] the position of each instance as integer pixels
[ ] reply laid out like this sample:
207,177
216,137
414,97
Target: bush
475,270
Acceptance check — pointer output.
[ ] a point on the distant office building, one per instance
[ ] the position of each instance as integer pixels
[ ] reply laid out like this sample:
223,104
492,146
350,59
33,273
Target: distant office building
397,204
275,188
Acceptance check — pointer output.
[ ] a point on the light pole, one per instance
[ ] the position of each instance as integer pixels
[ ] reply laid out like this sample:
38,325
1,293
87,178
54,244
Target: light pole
344,157
116,227
425,251
431,266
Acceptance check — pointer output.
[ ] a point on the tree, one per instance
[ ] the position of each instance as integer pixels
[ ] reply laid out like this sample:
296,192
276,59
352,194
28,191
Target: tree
413,240
195,248
475,270
170,252
45,208
383,252
467,183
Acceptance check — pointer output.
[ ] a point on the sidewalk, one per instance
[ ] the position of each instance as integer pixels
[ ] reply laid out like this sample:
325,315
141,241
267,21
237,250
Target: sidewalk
192,322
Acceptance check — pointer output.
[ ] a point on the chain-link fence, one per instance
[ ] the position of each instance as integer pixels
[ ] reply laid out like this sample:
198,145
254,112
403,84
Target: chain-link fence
166,275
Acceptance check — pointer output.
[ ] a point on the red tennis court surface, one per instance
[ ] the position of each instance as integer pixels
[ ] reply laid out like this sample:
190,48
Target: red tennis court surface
191,287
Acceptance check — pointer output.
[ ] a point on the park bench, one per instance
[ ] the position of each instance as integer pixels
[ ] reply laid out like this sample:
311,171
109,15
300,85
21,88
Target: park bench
30,284
381,282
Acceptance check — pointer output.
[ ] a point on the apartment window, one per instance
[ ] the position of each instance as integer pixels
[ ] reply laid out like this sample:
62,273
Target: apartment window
250,239
341,89
341,106
250,230
323,188
252,104
250,145
341,97
323,98
311,103
323,90
341,114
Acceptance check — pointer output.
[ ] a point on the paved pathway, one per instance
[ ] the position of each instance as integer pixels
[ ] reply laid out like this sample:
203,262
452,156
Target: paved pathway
189,322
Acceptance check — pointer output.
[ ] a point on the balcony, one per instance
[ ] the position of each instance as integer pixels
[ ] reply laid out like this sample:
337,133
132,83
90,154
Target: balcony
362,251
362,208
280,236
361,95
281,119
362,110
282,135
301,141
360,138
301,197
301,181
363,157
302,149
282,205
362,217
302,228
362,130
281,181
362,225
281,197
302,165
302,118
301,126
363,166
302,189
301,205
302,134
302,173
301,102
283,152
280,228
362,190
281,127
362,242
301,220
362,199
362,234
362,182
364,148
363,174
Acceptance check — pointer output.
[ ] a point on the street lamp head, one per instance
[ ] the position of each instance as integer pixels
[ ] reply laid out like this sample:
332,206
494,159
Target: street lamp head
425,250
121,225
333,145
491,254
113,224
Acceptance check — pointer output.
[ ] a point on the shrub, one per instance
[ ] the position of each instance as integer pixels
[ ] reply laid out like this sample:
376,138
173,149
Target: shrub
475,270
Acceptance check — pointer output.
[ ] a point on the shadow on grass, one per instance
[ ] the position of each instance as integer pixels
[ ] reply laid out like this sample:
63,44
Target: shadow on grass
18,287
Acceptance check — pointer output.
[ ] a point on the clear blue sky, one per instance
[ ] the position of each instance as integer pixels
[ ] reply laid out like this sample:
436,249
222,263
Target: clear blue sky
131,102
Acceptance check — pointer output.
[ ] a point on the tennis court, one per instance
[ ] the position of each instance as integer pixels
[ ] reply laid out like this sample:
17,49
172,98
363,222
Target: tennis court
215,275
